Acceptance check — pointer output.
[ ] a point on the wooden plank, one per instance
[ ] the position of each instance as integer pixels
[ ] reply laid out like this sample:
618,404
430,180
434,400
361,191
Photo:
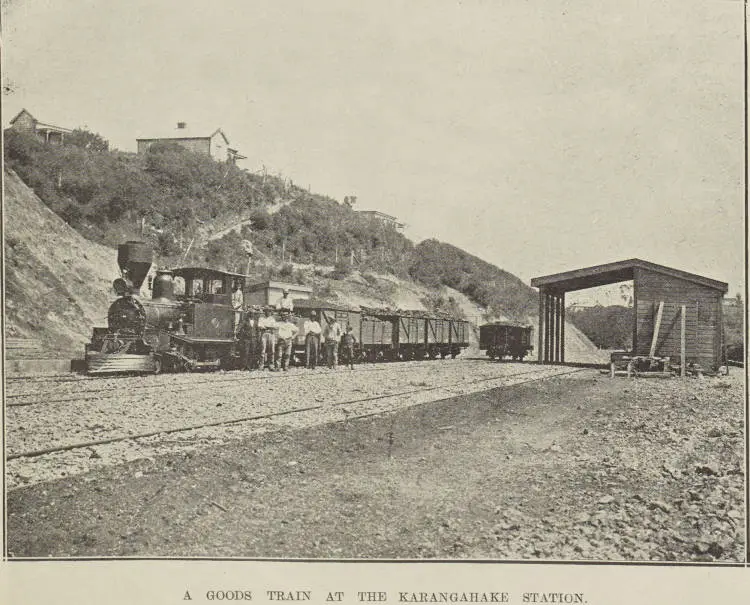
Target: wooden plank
657,325
683,357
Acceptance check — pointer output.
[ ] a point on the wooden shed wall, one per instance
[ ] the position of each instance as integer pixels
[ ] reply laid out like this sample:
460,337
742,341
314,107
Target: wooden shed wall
703,317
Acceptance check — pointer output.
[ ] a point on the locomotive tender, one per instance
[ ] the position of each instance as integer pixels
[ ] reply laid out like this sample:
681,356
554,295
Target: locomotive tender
195,328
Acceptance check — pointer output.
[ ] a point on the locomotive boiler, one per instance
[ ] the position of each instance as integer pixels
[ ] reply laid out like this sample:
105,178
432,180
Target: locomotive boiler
137,326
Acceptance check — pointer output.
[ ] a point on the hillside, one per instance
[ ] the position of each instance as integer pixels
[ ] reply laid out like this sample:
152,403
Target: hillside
501,293
181,201
196,211
57,283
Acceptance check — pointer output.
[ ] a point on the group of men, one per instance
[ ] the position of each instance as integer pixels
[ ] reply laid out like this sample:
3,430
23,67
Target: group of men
268,343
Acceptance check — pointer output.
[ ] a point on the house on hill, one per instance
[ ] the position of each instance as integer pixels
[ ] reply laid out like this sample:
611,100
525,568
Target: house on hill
49,133
386,219
215,144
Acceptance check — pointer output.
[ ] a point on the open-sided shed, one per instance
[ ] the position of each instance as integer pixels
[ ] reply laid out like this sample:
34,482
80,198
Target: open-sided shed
675,304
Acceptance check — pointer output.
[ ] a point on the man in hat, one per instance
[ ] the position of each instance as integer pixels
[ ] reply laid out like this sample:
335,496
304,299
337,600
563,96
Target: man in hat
267,328
312,330
285,302
285,340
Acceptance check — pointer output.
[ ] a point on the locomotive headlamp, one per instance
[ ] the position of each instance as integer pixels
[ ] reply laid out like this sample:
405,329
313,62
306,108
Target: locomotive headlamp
121,287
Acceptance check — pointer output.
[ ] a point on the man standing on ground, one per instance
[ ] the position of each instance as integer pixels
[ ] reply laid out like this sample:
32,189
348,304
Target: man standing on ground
267,327
333,335
347,347
285,343
248,340
312,330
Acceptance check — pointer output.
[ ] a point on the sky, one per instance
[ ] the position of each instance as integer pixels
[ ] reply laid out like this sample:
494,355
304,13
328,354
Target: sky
541,136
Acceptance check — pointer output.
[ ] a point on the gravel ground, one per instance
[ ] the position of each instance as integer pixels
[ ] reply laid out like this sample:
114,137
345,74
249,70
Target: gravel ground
46,414
579,467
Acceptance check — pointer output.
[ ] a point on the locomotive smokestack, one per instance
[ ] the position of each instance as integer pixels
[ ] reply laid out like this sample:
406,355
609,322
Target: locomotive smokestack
134,260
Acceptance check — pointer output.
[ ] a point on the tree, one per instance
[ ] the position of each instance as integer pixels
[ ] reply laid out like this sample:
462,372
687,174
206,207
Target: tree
87,140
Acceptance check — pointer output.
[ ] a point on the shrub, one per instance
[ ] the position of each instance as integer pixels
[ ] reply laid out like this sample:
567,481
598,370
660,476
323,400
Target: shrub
341,270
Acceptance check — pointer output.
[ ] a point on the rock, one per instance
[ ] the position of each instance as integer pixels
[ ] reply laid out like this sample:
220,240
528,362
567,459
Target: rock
715,432
606,499
653,505
138,474
707,469
555,448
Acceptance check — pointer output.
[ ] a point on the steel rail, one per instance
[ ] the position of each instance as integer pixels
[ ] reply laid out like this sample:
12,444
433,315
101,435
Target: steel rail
51,450
182,386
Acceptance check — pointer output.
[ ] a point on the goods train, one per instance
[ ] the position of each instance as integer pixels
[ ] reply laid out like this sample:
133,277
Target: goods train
503,339
194,327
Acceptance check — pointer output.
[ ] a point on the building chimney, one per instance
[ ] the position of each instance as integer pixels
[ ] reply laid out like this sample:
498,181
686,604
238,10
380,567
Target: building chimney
181,125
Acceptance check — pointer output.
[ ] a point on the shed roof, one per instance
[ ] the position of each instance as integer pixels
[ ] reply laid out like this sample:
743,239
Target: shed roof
205,272
610,273
279,285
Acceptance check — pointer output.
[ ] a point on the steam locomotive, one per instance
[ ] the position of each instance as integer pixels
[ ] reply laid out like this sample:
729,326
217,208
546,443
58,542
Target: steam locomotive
194,328
170,332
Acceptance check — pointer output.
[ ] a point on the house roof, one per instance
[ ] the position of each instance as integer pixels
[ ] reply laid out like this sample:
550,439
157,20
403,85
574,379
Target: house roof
20,113
610,273
37,123
186,133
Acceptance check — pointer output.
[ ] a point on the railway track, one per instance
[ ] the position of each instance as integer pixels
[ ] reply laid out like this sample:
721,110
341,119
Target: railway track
39,397
37,453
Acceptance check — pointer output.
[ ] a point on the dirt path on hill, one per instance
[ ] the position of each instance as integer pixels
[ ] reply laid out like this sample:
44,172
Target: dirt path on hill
581,467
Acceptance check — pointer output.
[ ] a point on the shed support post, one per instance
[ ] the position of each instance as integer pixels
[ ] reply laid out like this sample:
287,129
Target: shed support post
556,331
548,331
562,327
683,361
540,328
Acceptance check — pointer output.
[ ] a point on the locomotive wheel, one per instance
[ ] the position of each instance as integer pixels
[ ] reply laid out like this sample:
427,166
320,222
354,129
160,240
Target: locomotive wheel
157,364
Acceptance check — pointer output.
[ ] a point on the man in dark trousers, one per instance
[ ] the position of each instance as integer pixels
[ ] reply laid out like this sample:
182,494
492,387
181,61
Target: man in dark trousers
312,331
248,335
348,340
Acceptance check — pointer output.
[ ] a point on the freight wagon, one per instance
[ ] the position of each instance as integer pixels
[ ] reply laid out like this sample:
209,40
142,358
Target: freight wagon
501,340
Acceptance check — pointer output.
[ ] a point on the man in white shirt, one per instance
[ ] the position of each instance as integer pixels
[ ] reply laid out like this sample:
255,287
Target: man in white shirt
312,331
267,327
333,335
237,303
285,302
285,340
